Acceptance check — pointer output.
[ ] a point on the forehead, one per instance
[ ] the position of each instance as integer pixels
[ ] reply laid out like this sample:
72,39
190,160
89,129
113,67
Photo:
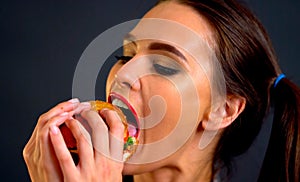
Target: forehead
184,15
178,25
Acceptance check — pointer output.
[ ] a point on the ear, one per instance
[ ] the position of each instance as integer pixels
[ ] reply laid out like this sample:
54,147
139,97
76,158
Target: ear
223,115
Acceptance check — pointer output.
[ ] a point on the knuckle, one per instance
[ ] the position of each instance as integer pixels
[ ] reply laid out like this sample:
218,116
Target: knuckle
106,169
25,153
81,138
42,117
43,135
63,158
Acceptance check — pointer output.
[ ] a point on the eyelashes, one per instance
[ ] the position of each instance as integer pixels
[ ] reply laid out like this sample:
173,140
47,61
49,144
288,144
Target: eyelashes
163,70
160,69
124,59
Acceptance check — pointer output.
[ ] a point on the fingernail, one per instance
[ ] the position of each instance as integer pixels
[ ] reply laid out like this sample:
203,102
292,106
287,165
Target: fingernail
86,103
71,117
75,100
103,110
64,114
54,130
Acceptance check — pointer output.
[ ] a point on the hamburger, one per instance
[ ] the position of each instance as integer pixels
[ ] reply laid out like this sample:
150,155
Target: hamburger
130,138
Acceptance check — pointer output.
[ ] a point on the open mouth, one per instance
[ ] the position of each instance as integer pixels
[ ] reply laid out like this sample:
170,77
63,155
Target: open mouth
131,116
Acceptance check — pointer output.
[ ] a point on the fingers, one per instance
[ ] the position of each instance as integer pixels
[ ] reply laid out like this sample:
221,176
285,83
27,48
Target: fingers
67,106
62,153
46,154
59,109
45,145
83,139
107,136
116,130
99,132
82,107
72,107
38,153
88,169
57,140
56,145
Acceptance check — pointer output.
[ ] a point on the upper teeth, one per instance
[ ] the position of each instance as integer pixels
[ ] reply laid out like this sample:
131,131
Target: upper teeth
119,103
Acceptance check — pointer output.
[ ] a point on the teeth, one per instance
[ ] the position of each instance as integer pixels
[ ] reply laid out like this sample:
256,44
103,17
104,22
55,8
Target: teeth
119,103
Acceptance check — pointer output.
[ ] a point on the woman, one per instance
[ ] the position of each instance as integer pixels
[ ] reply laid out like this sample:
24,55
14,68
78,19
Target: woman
226,48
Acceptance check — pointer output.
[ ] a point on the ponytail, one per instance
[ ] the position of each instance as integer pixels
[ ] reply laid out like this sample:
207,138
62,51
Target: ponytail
282,160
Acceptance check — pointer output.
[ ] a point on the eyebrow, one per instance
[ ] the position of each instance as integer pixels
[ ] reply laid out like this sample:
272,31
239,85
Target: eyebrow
130,38
157,46
168,48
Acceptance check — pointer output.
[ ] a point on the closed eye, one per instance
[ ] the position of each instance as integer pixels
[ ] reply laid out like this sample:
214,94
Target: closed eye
163,70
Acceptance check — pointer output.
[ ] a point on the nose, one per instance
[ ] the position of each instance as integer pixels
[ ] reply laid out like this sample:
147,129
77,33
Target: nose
128,77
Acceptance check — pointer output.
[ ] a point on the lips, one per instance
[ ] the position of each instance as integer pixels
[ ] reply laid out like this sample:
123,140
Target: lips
128,111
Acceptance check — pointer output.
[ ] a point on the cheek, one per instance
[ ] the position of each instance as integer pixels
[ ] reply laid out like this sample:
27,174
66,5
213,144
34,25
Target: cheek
166,108
204,95
173,99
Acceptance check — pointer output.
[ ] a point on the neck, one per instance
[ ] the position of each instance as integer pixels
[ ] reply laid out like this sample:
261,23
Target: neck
169,173
189,164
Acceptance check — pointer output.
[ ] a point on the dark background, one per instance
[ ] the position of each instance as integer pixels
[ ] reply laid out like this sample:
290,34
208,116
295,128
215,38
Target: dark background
41,43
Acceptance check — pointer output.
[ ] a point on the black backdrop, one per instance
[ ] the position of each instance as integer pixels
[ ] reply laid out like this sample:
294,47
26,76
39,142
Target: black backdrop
41,43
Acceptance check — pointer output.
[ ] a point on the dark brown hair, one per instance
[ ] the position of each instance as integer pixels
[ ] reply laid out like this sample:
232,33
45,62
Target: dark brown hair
250,68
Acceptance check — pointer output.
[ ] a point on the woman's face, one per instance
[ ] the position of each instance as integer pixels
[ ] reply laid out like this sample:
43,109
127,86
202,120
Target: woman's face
163,84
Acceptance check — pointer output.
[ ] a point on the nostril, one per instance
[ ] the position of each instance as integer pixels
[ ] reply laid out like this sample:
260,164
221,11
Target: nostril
127,79
126,84
121,82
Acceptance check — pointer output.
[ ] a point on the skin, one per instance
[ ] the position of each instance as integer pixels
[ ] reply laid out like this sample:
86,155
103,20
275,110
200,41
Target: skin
189,163
48,159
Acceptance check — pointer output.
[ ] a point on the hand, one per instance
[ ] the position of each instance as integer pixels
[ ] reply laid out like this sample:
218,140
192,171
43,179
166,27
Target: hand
100,152
38,152
48,159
